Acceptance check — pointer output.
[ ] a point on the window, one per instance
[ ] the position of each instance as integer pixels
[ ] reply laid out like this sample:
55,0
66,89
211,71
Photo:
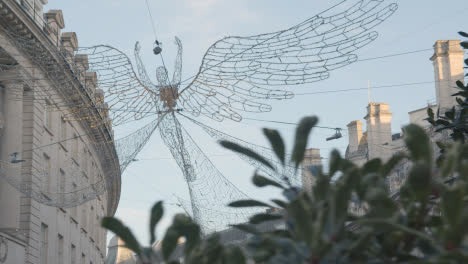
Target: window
61,183
75,208
75,151
48,115
84,161
84,216
90,165
91,223
92,172
63,131
60,249
73,254
47,179
44,243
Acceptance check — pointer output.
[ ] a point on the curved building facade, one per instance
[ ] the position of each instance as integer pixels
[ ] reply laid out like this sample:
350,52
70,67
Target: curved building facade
60,171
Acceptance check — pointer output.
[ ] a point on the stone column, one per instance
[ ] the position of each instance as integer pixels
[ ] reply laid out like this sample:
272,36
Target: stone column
355,135
448,68
379,130
11,141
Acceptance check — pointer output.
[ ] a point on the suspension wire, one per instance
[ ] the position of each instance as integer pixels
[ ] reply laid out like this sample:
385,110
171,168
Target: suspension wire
365,88
396,54
154,31
289,123
344,131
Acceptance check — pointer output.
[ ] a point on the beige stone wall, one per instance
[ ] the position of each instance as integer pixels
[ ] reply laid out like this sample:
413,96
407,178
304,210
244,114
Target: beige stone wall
26,128
448,68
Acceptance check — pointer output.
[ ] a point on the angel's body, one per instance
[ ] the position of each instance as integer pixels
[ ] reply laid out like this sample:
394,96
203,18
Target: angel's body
236,75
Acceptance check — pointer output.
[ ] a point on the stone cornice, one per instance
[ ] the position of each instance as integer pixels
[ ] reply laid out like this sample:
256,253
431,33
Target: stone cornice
444,48
69,39
57,16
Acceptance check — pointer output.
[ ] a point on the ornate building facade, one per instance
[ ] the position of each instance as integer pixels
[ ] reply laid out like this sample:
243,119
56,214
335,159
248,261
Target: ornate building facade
49,154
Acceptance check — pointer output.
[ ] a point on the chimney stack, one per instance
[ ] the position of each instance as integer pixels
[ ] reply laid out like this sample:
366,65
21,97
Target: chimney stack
81,66
355,135
69,43
311,164
379,129
448,68
91,82
55,24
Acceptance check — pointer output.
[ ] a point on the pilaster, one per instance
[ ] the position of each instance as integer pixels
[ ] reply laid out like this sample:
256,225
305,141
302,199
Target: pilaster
12,111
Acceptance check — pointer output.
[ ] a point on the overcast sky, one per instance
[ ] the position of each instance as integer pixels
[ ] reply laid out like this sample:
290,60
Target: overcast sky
198,23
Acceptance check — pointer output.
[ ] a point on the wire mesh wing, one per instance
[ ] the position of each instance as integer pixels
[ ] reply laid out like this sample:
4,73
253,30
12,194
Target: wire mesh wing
128,97
238,71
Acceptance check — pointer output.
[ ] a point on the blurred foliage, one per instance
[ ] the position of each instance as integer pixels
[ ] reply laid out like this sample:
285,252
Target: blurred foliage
426,222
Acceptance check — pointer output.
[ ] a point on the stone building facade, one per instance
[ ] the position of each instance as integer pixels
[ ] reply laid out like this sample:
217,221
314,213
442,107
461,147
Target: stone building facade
379,142
56,153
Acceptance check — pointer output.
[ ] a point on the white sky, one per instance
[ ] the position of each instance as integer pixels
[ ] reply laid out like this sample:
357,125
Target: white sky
198,23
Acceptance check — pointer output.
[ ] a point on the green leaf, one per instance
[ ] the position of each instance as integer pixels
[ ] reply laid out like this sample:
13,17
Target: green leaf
302,136
463,34
248,203
418,143
430,113
261,181
169,242
335,162
123,232
450,114
453,206
246,228
372,166
260,218
234,255
247,152
420,181
460,85
464,44
450,163
396,226
190,230
156,214
276,143
280,203
394,161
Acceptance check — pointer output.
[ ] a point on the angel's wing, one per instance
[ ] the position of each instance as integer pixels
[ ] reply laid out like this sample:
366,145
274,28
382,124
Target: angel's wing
128,96
236,71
